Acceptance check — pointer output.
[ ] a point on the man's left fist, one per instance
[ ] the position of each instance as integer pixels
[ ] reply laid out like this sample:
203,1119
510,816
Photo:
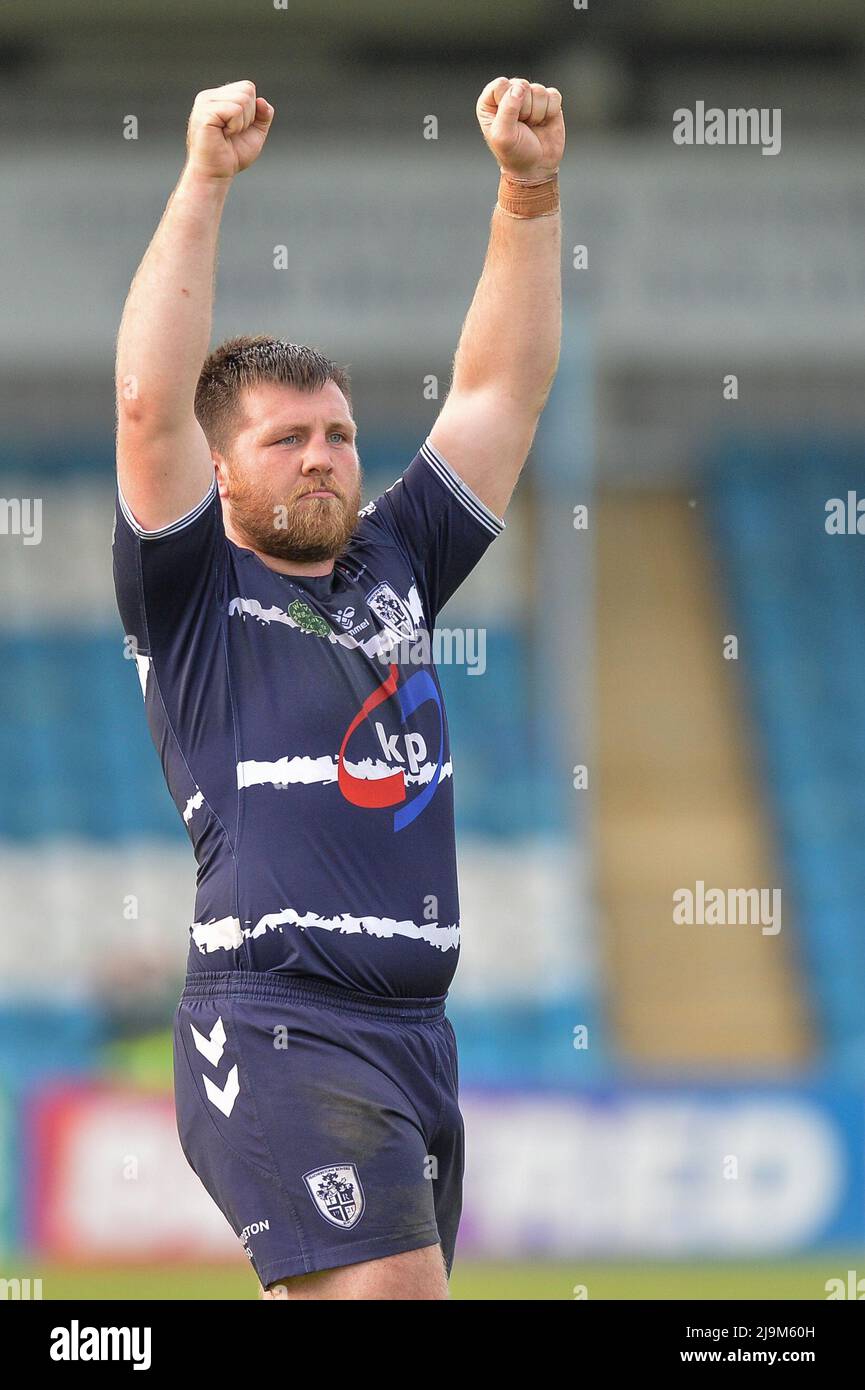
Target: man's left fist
523,125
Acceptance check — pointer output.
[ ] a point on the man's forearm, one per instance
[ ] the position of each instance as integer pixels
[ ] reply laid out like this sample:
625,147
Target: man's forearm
165,330
512,333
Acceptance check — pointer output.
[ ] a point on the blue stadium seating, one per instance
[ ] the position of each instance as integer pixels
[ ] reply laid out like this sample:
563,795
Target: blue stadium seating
797,600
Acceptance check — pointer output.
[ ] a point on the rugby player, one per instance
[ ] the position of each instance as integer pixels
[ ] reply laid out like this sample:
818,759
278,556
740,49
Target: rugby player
303,739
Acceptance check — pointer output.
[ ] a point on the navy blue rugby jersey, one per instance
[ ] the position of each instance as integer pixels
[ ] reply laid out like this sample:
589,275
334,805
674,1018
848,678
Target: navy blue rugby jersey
302,733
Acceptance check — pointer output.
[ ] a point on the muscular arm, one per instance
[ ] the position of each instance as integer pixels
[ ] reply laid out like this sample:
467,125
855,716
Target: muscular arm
508,350
163,459
164,462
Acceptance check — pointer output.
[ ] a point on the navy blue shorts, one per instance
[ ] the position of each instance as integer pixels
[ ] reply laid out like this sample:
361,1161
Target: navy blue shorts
324,1123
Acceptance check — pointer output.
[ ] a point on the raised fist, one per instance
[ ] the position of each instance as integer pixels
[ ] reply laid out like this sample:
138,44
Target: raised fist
523,125
227,130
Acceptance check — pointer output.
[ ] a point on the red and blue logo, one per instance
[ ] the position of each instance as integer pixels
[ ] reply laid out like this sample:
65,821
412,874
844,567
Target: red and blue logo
381,792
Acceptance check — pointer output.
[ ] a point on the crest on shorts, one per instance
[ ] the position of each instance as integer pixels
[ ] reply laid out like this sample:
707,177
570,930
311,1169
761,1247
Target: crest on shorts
337,1193
387,605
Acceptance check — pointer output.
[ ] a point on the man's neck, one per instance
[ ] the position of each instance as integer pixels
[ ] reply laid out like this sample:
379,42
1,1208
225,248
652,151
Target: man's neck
309,569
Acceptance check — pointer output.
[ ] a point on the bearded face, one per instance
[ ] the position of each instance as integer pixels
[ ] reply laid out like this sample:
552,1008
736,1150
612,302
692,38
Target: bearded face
290,479
300,527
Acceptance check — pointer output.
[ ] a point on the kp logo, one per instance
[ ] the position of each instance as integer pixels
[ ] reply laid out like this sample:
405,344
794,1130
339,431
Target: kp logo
391,790
337,1193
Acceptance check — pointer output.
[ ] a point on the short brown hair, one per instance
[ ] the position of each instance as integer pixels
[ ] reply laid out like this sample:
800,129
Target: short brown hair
240,363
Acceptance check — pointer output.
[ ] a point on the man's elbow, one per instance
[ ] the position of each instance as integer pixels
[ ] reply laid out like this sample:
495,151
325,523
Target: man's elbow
545,394
148,419
531,389
532,396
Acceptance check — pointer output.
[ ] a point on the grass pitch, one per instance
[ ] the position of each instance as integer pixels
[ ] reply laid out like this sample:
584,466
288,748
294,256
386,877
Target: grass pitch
797,1280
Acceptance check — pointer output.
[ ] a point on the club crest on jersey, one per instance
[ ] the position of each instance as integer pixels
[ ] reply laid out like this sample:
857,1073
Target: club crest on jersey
387,605
337,1193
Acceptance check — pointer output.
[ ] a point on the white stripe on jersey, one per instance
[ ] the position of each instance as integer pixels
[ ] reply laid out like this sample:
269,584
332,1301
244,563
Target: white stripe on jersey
227,933
378,645
177,525
461,490
306,771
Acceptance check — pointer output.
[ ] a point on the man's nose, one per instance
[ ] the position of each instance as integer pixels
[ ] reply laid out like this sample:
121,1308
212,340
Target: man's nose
316,458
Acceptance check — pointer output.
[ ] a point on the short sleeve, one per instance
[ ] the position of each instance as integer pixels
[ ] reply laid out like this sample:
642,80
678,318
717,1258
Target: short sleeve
164,579
442,526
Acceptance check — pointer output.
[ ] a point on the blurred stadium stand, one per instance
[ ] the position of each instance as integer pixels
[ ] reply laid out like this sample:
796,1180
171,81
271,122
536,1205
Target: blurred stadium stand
797,595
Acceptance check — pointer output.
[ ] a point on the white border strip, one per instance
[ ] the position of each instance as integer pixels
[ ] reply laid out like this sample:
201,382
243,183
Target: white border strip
169,530
470,500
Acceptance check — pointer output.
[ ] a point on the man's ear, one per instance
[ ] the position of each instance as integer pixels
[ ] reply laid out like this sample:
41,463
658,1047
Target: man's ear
220,467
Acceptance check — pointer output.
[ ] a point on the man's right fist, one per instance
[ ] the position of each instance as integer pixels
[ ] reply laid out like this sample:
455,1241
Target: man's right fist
227,130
